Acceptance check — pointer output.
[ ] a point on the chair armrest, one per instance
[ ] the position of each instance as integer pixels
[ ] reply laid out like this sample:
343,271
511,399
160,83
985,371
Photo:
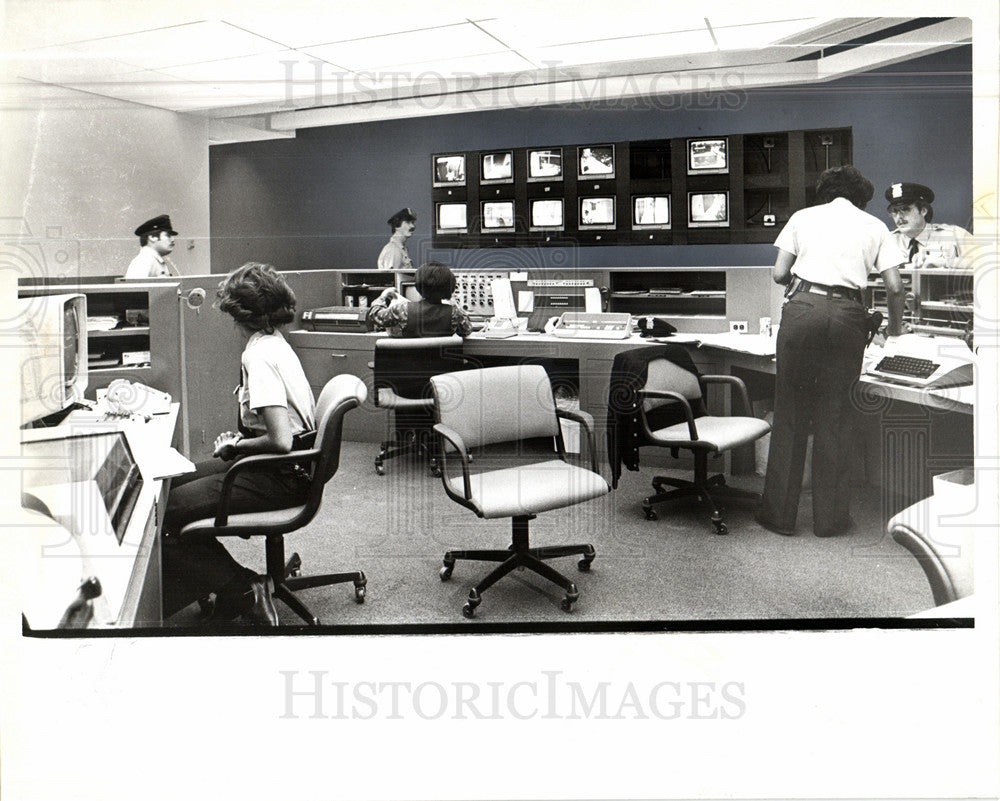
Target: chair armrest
735,382
585,419
456,440
256,462
667,394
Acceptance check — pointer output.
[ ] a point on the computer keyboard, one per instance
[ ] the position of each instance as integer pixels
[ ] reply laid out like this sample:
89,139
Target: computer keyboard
908,366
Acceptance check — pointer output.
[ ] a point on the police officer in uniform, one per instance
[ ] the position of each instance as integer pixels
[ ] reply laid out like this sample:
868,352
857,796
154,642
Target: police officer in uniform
825,254
926,244
394,255
156,241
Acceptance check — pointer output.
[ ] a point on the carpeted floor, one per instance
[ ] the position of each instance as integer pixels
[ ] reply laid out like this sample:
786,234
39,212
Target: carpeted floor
396,528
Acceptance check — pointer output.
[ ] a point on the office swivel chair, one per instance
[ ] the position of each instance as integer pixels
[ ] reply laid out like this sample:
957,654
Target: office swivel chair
701,433
402,368
505,405
341,394
945,552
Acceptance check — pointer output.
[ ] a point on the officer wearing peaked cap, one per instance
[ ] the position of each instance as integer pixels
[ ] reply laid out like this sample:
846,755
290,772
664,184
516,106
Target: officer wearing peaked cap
394,255
156,241
926,244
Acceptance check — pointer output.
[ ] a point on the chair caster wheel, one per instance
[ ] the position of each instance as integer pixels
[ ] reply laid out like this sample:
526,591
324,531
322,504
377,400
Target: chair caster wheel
435,470
294,566
359,594
650,513
584,564
572,593
722,528
469,610
449,565
380,468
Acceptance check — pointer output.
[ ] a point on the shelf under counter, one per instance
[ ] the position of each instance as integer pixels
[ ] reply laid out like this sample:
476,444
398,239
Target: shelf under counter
131,331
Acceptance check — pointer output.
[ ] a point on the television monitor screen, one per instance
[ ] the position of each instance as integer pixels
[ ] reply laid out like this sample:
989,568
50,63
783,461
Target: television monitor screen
498,168
650,212
498,216
53,353
449,170
649,160
708,209
545,165
596,161
451,218
597,212
708,156
546,215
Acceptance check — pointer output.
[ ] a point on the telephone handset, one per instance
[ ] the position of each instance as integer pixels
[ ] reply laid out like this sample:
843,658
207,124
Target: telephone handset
500,328
125,398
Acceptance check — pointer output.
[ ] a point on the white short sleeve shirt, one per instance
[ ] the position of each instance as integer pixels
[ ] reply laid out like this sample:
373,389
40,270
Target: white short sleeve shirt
273,376
838,244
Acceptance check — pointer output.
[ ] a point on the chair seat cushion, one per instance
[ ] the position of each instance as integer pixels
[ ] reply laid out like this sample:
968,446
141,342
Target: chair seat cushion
530,489
237,524
387,399
715,433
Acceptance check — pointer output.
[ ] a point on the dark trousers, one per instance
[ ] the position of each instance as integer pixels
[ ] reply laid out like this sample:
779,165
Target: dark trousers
820,349
196,565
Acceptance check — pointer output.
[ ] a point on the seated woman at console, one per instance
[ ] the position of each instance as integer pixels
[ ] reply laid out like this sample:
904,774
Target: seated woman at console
428,317
276,404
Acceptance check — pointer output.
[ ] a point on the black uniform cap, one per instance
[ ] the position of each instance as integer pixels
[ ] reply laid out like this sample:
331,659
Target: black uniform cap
402,215
909,193
161,223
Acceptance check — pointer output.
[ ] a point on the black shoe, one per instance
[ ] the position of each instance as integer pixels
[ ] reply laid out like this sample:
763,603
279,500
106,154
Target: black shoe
262,612
787,532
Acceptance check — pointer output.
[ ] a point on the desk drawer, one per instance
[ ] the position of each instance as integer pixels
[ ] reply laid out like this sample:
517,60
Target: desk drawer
366,423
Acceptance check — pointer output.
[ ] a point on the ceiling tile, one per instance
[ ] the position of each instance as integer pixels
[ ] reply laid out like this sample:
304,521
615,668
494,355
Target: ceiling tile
623,49
179,44
380,52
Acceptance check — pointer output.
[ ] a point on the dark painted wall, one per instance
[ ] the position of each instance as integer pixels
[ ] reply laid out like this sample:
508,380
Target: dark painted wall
320,200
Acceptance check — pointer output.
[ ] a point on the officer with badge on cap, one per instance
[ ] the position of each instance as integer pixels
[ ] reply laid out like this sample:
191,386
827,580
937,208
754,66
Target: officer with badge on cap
926,244
394,255
156,240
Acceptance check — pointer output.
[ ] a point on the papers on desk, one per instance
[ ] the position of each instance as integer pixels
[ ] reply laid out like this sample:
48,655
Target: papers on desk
754,344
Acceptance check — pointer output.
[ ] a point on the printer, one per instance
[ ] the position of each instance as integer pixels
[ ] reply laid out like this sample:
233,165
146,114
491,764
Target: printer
343,319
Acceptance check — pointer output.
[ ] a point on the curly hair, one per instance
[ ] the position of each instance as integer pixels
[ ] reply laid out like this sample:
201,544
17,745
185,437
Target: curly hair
846,182
434,281
256,296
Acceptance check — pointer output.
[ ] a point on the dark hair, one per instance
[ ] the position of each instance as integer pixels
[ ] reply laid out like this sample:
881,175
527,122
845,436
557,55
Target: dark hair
255,295
434,281
846,182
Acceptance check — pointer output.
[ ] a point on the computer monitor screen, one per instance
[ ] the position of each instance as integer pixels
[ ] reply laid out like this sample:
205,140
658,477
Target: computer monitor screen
545,165
596,161
53,354
451,218
498,216
597,212
650,212
546,215
498,168
708,156
449,170
708,209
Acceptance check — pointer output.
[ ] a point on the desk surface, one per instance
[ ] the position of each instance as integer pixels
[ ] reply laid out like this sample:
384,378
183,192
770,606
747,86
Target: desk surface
64,557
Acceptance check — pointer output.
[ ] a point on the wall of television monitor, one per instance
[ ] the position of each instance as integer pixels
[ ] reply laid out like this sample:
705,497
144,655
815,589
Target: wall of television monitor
733,188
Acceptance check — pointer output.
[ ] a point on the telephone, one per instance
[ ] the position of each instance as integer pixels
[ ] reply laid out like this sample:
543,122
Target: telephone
124,398
503,327
921,361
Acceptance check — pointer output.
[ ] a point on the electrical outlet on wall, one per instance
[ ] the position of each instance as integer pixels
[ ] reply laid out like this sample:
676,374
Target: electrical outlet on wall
738,326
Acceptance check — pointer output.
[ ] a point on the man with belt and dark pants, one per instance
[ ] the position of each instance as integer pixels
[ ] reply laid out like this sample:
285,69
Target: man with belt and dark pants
824,254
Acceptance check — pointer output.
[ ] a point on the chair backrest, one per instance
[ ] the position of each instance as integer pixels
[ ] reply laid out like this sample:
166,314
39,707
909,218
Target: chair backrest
405,365
341,394
496,404
663,374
